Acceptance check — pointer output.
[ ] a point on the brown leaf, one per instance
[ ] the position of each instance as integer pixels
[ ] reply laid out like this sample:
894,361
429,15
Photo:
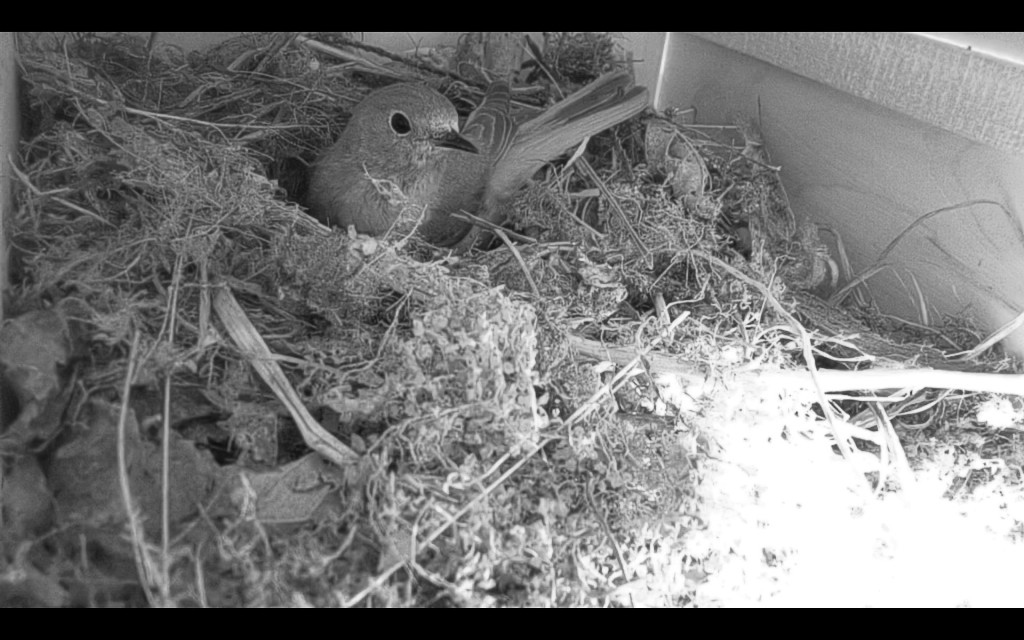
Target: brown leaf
85,480
34,349
193,478
83,472
294,492
25,498
23,585
671,154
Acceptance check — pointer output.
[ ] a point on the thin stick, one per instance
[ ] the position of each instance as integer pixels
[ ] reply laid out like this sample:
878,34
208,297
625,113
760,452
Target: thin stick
320,47
614,203
995,337
538,57
837,298
884,446
1014,222
899,458
216,125
250,343
805,343
829,380
490,226
519,258
138,537
919,300
384,53
67,203
280,40
165,476
846,269
601,520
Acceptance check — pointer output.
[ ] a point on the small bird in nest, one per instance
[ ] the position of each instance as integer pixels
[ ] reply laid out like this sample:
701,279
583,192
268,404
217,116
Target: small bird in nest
402,152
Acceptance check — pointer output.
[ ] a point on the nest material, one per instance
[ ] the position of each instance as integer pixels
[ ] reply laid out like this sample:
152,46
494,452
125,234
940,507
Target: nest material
146,183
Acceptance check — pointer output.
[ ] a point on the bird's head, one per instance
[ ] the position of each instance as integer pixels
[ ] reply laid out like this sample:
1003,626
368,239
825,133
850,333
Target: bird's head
405,124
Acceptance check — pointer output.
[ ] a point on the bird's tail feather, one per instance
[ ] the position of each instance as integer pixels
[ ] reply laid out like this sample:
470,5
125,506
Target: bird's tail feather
604,103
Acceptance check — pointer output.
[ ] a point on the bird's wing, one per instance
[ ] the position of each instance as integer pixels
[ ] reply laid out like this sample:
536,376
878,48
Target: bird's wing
490,127
607,101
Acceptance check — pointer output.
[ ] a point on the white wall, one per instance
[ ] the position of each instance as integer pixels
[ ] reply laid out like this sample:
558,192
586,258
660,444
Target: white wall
869,171
1006,44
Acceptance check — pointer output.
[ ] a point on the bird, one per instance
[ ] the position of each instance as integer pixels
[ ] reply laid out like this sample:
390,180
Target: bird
402,150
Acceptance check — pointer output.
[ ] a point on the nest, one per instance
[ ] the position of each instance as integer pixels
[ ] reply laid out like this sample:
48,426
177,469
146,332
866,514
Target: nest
279,413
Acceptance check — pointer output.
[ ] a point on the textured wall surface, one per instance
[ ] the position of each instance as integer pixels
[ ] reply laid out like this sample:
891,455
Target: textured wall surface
963,91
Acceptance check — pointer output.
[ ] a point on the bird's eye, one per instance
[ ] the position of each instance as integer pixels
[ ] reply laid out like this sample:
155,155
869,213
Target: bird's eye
400,123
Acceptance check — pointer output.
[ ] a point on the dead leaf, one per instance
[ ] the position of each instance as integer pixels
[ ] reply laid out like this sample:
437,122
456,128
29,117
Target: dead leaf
34,349
671,154
83,472
293,493
254,430
397,549
25,498
23,585
84,477
193,478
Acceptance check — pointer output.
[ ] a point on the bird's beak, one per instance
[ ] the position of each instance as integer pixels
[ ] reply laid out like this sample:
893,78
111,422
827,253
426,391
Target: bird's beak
454,140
